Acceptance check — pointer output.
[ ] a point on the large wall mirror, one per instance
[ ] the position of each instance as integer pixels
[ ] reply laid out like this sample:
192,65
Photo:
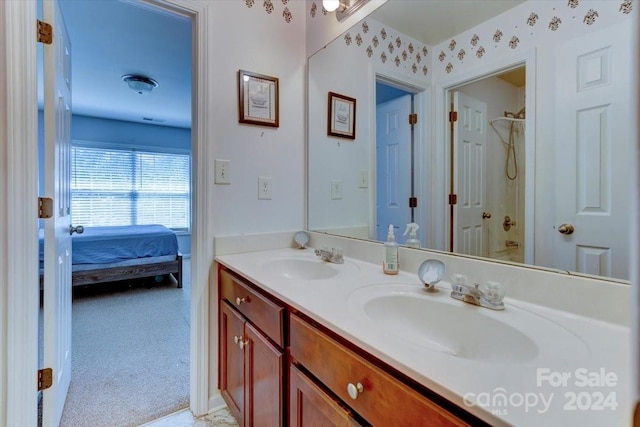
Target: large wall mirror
503,132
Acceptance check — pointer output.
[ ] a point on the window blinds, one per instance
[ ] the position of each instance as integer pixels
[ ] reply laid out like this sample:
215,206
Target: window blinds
128,187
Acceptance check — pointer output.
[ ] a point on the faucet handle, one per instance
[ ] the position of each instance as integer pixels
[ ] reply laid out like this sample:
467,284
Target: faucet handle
494,292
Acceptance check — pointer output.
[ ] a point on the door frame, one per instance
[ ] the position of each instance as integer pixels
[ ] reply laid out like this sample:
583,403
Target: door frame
421,98
18,396
442,163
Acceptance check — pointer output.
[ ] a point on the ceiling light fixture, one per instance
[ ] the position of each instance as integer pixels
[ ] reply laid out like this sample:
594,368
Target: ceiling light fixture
343,8
140,84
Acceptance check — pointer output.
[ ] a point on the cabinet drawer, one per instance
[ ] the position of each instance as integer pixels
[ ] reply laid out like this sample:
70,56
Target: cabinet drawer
309,405
261,311
383,401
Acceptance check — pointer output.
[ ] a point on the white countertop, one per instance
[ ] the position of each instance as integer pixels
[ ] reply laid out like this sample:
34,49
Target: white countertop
589,358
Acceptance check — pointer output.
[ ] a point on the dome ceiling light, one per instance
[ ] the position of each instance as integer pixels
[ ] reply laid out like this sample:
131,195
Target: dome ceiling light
140,84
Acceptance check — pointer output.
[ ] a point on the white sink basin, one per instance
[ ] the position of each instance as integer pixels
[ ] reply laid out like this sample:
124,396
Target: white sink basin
304,268
440,323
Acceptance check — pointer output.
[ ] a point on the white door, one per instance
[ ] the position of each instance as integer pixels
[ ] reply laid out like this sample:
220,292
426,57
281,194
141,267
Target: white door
594,122
57,239
393,168
469,153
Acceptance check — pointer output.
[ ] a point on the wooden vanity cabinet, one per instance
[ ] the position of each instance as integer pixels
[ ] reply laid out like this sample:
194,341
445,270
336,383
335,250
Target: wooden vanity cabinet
375,395
252,374
277,367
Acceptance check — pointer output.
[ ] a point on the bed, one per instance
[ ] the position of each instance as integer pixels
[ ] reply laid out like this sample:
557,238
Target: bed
109,254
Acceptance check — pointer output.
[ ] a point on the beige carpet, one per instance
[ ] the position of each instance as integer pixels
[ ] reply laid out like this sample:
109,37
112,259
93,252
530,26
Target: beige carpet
130,361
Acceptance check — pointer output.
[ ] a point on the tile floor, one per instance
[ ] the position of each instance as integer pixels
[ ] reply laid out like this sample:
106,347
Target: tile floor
219,418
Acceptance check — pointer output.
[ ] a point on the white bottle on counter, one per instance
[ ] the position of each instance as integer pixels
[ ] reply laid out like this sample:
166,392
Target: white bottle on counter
390,262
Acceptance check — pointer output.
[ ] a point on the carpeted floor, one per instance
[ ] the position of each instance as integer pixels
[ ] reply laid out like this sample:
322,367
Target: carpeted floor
130,361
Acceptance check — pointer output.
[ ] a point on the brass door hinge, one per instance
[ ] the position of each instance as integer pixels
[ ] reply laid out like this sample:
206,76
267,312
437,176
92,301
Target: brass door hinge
45,207
453,199
45,378
413,119
45,33
413,202
453,116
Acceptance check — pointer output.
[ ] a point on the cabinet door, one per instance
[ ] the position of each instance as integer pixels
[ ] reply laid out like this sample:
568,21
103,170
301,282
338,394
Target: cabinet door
264,382
232,374
310,406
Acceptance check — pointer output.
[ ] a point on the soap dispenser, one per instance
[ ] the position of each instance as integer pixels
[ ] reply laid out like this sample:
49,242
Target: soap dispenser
390,263
412,230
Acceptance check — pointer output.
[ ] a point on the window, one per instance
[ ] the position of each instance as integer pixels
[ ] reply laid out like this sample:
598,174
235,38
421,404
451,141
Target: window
128,187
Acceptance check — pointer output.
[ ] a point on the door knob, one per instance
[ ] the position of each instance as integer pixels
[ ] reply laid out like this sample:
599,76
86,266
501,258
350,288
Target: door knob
486,215
79,229
566,229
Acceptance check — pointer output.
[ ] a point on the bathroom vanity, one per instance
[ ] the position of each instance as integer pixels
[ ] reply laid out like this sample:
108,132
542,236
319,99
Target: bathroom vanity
306,342
331,381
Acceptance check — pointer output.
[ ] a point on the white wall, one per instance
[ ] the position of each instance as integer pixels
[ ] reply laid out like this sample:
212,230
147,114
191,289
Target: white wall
332,158
250,39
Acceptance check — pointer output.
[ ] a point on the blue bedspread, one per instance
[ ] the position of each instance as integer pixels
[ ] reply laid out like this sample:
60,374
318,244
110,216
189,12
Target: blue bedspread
102,245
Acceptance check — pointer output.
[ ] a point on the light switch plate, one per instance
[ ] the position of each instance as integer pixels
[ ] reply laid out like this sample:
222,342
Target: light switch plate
264,187
336,189
363,182
222,171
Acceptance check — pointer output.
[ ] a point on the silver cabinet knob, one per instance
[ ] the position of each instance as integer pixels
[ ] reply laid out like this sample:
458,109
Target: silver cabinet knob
239,300
354,390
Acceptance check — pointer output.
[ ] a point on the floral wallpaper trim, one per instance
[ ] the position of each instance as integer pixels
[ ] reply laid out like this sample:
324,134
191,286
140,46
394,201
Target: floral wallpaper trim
409,53
532,17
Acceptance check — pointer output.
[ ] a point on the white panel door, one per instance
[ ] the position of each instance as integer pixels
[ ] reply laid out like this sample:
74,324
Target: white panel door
593,153
469,152
57,238
393,169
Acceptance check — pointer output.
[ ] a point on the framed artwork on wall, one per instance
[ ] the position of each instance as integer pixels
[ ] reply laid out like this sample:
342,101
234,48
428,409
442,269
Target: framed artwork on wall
258,99
341,120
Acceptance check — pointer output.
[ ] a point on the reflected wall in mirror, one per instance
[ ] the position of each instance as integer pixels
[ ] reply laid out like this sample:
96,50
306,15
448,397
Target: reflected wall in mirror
559,161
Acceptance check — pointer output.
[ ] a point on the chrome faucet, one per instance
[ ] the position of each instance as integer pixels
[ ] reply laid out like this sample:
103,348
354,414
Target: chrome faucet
334,255
489,297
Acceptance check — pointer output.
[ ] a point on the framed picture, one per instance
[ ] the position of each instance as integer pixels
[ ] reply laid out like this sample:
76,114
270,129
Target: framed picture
341,116
258,99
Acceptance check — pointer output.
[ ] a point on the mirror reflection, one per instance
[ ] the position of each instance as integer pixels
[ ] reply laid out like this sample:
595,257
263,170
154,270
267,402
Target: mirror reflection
497,140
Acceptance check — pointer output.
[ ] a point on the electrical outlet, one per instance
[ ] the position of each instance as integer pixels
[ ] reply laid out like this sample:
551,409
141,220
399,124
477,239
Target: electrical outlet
222,171
264,187
336,189
363,182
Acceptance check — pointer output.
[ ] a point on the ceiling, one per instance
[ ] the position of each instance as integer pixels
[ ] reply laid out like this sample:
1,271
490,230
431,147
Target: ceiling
434,21
111,38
